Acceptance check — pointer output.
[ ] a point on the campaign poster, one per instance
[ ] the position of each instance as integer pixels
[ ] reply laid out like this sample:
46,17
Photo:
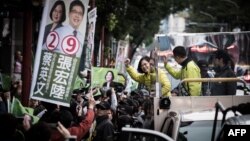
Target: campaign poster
90,37
102,75
121,55
59,48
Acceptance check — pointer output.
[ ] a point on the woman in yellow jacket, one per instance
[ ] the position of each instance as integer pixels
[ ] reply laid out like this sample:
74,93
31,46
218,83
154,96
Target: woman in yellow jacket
146,75
189,70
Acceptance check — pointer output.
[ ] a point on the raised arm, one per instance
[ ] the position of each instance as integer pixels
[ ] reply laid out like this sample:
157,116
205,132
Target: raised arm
132,72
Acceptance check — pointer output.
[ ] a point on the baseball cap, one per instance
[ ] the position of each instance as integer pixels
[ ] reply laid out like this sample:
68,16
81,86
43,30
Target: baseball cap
144,92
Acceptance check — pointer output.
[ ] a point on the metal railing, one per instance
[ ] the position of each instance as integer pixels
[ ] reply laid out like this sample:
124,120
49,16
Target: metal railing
217,80
146,132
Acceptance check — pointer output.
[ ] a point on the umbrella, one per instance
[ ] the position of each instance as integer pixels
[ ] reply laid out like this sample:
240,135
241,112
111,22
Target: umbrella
203,46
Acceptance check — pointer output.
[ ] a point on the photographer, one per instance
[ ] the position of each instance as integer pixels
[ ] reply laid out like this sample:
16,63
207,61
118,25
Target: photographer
81,129
79,103
78,106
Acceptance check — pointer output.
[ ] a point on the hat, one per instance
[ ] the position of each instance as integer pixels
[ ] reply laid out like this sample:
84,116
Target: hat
103,105
144,92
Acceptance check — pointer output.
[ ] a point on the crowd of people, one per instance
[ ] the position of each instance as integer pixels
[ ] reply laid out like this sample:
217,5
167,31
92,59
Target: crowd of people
93,117
89,117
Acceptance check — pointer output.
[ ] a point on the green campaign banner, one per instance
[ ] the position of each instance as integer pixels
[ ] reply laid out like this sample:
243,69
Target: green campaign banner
56,74
101,75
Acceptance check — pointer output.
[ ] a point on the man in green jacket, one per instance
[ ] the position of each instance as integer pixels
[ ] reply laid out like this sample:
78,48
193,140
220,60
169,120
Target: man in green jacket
189,70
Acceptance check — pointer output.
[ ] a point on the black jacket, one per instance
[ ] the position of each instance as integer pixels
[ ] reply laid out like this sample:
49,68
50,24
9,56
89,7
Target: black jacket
224,88
104,129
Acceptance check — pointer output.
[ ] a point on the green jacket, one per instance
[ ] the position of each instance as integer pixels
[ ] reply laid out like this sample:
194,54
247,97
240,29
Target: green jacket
188,70
149,80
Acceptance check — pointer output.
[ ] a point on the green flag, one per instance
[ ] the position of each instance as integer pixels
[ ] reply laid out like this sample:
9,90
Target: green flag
19,110
79,83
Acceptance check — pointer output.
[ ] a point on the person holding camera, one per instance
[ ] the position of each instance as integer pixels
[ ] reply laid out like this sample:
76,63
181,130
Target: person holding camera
81,129
79,103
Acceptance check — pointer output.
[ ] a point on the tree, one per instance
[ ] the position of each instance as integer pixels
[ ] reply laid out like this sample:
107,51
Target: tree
234,13
138,18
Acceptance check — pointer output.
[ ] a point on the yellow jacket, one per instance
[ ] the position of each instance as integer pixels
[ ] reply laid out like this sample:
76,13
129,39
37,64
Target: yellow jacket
149,80
191,70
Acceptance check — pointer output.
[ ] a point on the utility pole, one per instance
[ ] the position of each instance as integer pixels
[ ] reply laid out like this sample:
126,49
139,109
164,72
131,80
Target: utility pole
27,56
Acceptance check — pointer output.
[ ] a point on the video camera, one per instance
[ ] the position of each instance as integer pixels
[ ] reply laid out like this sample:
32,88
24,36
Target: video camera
80,91
119,87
